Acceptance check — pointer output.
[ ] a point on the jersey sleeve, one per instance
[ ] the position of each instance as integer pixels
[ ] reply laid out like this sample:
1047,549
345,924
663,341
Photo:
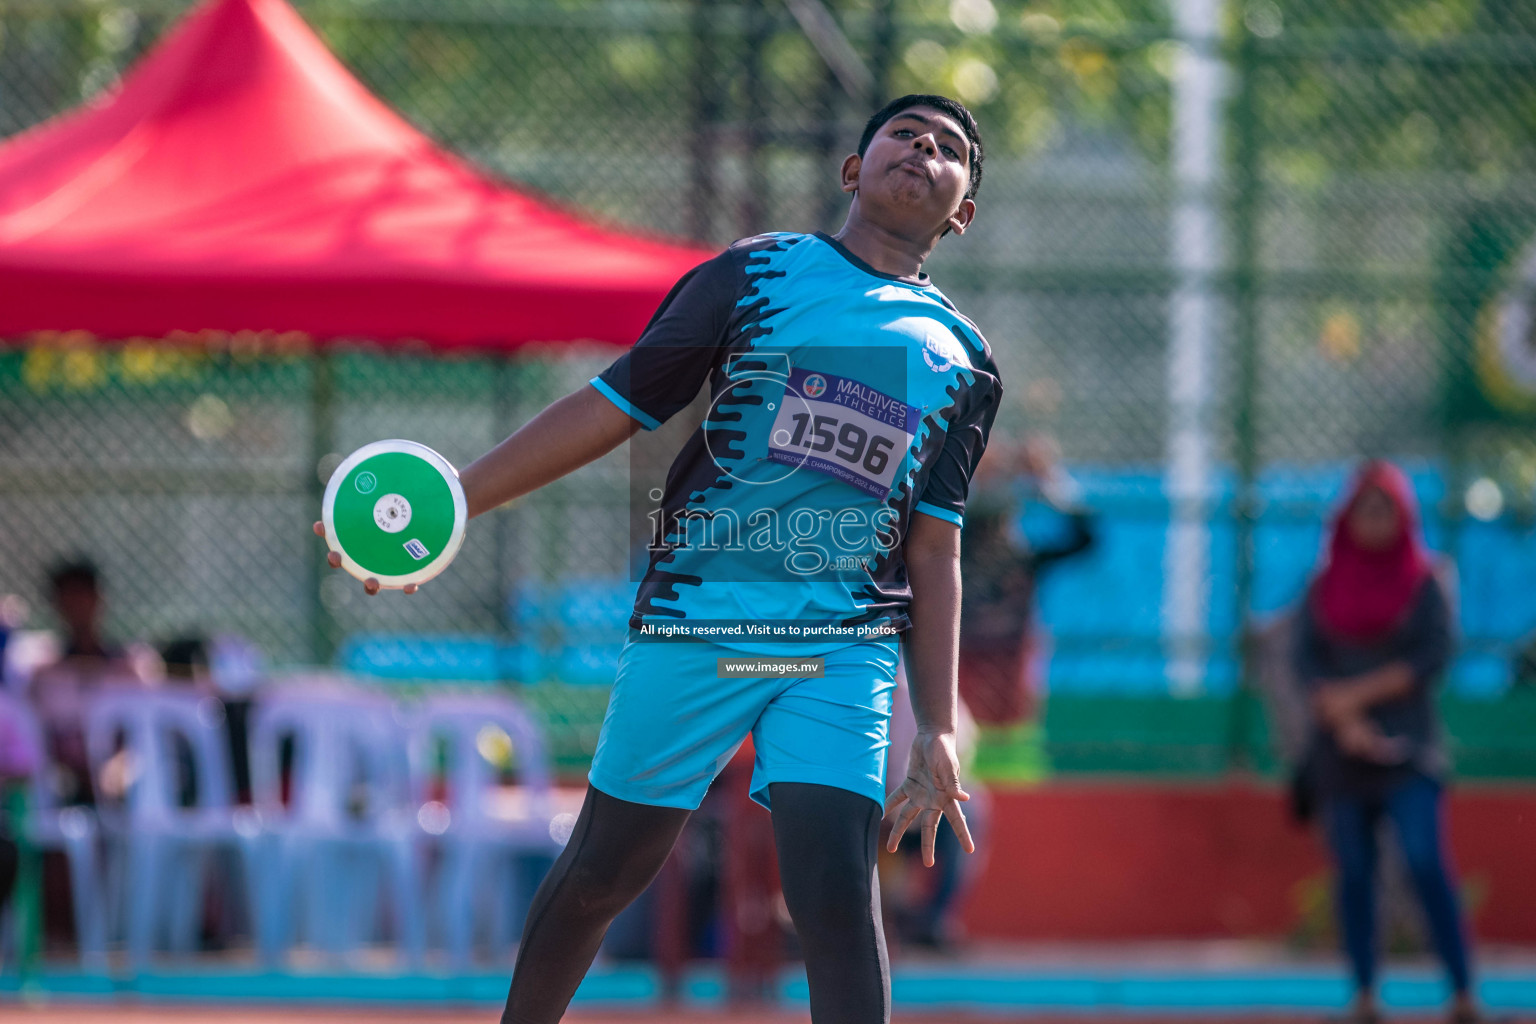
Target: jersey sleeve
949,480
665,369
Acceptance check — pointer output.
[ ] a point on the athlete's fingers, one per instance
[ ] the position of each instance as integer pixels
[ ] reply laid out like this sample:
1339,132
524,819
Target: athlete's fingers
899,827
332,558
410,588
371,585
894,799
930,836
957,822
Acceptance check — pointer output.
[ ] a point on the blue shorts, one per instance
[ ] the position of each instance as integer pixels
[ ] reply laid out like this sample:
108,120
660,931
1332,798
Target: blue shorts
672,725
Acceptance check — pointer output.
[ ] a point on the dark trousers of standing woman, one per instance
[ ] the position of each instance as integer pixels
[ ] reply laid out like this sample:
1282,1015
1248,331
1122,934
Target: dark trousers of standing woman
1415,809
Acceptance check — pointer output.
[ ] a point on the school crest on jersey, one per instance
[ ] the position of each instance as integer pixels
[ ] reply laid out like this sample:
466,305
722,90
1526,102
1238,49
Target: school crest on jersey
942,352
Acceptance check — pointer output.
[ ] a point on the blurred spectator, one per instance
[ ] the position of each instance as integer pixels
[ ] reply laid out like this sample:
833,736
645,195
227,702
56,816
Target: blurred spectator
75,588
1000,639
1372,637
186,662
237,668
922,906
22,651
18,760
189,662
15,763
6,627
1000,657
86,659
60,692
1525,663
719,891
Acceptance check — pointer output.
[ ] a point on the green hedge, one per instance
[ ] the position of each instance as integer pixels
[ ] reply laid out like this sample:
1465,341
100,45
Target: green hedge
1206,736
1160,736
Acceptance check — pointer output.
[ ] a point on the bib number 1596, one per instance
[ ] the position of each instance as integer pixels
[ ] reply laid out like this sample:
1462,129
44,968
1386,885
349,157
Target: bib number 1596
848,441
839,426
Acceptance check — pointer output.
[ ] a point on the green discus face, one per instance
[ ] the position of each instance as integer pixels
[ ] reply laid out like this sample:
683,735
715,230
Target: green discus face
395,511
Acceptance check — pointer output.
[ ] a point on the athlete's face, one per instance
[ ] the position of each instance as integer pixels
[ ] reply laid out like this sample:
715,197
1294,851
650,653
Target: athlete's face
913,176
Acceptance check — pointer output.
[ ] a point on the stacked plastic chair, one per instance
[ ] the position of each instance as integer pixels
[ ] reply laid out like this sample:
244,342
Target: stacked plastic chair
481,851
161,851
348,820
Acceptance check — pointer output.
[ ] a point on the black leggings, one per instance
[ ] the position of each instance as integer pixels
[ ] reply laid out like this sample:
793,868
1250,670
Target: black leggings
826,839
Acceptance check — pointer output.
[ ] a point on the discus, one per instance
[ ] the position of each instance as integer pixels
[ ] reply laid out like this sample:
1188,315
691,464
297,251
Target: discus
395,511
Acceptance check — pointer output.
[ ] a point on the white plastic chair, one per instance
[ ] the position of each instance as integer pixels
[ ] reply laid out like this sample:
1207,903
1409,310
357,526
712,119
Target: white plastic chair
71,830
348,818
481,849
162,852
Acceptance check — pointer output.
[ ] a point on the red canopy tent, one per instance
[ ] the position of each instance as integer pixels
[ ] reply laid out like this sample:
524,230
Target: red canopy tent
242,179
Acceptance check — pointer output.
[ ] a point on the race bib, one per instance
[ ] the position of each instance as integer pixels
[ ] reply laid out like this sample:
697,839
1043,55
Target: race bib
841,427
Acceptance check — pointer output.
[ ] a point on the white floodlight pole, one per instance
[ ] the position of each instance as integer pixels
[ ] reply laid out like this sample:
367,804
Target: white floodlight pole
1199,78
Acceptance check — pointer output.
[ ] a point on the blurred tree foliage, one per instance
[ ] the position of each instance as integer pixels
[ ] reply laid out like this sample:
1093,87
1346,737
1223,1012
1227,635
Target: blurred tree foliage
1395,88
572,94
1029,67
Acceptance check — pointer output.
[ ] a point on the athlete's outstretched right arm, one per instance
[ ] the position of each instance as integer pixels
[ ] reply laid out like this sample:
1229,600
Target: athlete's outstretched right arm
644,387
567,435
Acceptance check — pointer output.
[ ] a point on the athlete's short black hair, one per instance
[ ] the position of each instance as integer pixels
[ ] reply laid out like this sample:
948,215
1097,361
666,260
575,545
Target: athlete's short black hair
943,104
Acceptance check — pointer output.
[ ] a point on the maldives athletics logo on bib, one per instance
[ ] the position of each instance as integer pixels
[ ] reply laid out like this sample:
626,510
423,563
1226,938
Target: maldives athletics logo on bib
815,386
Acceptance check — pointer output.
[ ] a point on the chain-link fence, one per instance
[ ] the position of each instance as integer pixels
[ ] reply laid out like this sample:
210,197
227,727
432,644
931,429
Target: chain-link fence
1223,251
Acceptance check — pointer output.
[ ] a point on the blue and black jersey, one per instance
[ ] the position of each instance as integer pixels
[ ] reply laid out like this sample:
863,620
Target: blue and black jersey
843,402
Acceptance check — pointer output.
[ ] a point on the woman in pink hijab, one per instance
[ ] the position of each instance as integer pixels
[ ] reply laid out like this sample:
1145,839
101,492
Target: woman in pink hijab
1374,635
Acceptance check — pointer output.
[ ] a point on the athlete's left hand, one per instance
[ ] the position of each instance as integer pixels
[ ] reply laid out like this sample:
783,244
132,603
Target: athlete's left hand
931,788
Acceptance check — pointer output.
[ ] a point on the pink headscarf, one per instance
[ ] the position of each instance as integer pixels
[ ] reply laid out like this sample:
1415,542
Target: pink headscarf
1364,595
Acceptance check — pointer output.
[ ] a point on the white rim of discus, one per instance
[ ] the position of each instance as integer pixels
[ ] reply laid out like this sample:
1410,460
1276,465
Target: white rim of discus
460,511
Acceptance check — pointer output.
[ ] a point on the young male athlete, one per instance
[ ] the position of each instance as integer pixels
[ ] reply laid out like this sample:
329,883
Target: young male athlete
815,513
